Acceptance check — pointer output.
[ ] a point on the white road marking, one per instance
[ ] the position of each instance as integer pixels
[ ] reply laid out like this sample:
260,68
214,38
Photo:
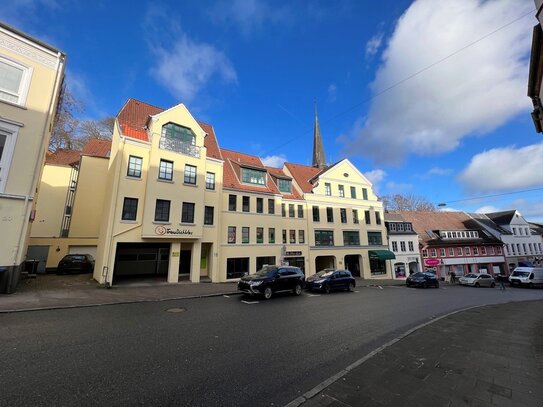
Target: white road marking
313,295
226,296
250,302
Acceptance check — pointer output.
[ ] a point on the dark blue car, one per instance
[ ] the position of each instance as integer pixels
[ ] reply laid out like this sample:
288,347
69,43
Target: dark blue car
423,280
329,279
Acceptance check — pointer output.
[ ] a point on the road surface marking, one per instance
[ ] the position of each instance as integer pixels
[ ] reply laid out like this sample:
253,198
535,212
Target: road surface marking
250,302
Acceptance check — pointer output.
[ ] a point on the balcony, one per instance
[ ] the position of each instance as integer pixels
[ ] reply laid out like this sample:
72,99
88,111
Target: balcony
179,146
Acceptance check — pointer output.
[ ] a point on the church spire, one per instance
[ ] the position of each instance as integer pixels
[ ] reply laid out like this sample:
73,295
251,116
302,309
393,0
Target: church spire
318,150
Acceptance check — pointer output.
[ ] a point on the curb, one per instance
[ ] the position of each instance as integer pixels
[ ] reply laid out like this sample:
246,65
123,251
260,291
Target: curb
188,297
334,378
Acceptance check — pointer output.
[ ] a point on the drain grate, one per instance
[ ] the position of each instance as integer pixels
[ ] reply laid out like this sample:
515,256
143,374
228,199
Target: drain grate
176,310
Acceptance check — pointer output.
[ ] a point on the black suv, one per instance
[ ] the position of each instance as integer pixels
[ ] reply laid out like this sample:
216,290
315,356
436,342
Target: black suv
273,279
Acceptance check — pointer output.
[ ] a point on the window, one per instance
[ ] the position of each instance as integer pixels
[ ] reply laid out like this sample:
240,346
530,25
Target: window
367,216
351,238
324,238
255,177
290,210
208,215
327,189
433,253
425,253
260,235
134,166
300,211
130,209
285,185
316,214
475,251
271,206
408,227
162,211
330,214
491,250
271,235
183,134
343,215
451,252
284,236
499,250
283,210
442,252
341,191
378,218
353,192
292,236
400,227
411,246
364,194
232,202
375,239
459,252
210,181
231,234
355,216
246,204
190,174
402,246
301,236
14,79
187,212
394,246
483,251
244,235
237,267
392,226
514,231
259,205
165,171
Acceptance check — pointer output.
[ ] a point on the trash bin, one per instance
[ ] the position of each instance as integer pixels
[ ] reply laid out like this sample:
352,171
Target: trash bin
9,278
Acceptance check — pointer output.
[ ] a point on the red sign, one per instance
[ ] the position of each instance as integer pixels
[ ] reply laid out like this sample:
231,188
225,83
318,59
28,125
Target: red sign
431,262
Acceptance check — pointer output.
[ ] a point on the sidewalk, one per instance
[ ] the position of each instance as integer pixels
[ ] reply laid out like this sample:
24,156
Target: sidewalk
52,291
485,356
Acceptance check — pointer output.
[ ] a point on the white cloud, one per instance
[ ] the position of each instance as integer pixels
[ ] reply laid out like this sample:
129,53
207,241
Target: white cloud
472,92
504,169
439,171
274,160
20,13
398,188
487,209
332,92
188,66
375,176
373,45
532,211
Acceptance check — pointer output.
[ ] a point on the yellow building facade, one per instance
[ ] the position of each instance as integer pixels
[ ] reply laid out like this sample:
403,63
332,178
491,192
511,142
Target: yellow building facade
31,75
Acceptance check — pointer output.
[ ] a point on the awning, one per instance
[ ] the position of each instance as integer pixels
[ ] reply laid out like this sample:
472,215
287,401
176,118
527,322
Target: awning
381,255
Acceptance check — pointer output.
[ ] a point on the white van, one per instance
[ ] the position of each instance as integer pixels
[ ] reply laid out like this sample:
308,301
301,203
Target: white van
530,276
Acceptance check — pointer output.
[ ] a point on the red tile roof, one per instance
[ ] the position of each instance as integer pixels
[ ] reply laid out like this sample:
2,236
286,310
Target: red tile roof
302,174
231,169
133,118
210,141
62,157
97,148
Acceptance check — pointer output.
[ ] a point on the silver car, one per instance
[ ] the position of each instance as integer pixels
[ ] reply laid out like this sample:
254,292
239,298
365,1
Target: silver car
478,280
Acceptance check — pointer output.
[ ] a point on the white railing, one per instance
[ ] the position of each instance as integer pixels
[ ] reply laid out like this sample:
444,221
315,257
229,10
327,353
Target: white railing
179,146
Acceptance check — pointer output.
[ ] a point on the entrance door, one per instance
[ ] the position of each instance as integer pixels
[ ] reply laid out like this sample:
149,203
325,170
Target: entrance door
296,262
38,253
184,261
352,263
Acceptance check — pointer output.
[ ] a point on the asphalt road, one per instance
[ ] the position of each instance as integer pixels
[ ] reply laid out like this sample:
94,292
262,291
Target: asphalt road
217,352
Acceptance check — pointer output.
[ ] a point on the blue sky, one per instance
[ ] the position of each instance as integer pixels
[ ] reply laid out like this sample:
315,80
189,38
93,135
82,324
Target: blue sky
423,99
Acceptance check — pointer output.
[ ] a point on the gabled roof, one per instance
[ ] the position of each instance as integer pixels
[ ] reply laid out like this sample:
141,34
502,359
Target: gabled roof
97,148
502,218
62,157
210,141
234,161
302,175
278,173
133,118
489,223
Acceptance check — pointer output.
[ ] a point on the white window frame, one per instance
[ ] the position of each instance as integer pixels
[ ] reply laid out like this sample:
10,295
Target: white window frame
11,132
25,81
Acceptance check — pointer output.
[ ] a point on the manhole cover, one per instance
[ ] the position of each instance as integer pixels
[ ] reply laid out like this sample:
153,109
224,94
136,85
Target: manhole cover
175,310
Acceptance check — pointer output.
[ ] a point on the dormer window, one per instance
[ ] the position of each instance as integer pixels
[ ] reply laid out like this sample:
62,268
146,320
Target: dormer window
176,132
284,185
255,177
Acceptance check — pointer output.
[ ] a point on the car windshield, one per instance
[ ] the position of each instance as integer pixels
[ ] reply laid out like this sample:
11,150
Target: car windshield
325,273
417,275
521,273
471,275
266,271
75,257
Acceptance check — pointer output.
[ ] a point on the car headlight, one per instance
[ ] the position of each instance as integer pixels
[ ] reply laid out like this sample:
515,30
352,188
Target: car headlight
255,283
320,281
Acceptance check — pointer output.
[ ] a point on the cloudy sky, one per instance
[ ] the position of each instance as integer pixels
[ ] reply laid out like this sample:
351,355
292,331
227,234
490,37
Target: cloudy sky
423,99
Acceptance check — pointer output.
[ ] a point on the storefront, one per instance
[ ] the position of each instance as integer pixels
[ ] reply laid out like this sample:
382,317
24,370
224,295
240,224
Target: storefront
378,260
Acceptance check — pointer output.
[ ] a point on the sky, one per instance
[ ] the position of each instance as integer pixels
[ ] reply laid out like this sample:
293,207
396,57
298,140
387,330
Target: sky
423,99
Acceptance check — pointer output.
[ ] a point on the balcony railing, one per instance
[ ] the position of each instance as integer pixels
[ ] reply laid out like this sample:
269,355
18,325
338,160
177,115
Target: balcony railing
179,146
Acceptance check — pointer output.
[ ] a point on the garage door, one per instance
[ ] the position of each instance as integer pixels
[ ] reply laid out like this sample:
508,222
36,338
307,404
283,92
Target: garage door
83,250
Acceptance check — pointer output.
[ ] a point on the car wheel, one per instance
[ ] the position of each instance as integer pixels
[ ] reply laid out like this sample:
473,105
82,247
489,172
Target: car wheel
268,292
477,285
425,285
297,289
351,287
326,289
493,285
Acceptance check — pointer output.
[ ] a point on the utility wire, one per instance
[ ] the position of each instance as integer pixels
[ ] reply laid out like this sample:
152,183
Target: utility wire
396,84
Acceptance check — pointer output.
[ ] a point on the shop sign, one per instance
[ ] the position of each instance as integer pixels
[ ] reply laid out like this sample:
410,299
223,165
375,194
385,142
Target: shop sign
293,253
431,262
175,254
162,230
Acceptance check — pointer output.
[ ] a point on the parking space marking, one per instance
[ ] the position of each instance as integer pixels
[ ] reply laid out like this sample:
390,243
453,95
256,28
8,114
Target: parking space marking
250,302
226,296
313,295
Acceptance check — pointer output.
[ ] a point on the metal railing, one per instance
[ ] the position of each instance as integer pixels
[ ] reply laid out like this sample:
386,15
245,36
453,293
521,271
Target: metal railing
179,146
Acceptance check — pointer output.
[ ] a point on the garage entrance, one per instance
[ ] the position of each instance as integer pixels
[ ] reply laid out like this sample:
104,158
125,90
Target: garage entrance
324,262
141,260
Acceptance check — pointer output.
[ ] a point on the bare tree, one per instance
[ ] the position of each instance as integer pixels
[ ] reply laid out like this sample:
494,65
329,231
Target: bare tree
408,202
100,129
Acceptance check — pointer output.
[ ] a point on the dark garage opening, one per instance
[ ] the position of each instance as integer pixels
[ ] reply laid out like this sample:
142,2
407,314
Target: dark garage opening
139,260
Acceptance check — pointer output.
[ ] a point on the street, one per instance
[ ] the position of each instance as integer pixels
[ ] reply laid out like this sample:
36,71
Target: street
220,351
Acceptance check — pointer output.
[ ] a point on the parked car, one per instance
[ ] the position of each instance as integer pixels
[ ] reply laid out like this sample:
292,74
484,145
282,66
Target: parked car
273,279
527,276
422,279
477,280
76,263
330,279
